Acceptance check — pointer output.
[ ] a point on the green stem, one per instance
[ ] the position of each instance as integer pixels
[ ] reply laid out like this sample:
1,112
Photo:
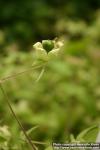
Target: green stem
20,73
16,118
9,105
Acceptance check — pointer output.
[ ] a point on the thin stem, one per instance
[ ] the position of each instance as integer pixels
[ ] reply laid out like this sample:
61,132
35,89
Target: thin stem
16,118
35,142
9,105
39,143
20,73
8,102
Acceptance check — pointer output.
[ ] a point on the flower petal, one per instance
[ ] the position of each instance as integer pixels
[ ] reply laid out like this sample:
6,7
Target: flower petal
53,53
37,45
41,54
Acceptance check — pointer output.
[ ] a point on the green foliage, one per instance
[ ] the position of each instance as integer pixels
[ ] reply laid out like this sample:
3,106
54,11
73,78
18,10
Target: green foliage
70,85
27,21
89,135
66,100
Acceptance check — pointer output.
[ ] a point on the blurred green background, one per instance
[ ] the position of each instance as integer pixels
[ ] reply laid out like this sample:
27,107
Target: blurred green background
67,98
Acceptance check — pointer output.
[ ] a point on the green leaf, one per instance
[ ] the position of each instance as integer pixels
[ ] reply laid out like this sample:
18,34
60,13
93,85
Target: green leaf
32,129
89,134
49,148
72,138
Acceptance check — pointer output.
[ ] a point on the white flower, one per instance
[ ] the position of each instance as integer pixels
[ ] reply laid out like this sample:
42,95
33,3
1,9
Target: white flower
47,49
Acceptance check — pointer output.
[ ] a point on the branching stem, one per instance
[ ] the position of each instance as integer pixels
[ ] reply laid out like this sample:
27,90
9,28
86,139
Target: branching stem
20,73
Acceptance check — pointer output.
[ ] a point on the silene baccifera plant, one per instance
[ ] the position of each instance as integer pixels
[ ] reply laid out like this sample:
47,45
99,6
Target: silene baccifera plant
45,52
